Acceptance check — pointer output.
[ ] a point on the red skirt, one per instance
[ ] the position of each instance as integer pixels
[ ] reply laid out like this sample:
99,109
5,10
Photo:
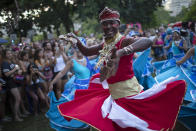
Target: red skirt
154,109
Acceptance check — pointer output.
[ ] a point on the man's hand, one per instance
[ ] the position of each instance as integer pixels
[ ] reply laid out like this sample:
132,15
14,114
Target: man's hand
113,61
70,37
104,73
111,66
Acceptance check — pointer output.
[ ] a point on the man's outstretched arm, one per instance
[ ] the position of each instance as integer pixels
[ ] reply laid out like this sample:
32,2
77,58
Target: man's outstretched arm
87,51
131,45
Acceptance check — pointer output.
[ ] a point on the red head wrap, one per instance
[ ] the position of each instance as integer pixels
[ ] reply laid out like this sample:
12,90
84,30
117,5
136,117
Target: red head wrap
108,14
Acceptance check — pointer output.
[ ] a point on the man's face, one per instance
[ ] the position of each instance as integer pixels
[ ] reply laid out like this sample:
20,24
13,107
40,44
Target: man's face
110,28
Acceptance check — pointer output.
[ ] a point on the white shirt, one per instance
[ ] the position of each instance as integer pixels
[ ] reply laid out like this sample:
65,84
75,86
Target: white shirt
60,64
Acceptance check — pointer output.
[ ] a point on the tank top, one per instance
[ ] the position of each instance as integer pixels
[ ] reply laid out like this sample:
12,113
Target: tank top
159,42
125,69
60,64
80,71
175,49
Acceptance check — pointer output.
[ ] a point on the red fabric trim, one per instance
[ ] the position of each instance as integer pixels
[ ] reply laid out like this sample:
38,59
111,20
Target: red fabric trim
109,16
159,110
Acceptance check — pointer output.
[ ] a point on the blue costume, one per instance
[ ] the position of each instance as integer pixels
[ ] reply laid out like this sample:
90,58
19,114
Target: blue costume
80,80
175,55
91,65
143,69
186,72
187,113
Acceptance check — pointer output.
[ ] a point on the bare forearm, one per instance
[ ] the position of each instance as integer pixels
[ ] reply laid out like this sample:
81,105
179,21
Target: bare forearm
183,60
89,51
187,56
137,46
141,44
62,73
65,58
10,72
41,75
57,77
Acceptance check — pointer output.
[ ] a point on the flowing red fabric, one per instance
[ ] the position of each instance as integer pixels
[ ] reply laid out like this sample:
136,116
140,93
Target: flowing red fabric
159,111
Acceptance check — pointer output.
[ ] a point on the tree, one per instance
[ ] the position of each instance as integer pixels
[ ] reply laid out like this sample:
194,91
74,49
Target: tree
190,15
51,12
22,14
130,10
163,17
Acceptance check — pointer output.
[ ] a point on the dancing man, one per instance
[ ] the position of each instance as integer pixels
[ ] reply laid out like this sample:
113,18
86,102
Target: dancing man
114,99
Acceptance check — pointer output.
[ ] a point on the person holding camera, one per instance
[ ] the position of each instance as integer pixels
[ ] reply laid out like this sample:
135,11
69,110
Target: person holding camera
8,71
34,86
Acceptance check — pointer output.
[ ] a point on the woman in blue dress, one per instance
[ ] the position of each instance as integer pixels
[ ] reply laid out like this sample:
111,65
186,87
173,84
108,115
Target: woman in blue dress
187,113
92,59
80,80
177,47
185,71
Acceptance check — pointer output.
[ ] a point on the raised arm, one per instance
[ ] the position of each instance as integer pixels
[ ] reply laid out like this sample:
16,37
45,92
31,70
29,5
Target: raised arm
61,74
87,51
190,53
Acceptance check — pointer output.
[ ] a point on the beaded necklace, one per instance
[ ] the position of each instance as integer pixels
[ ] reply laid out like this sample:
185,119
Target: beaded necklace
107,50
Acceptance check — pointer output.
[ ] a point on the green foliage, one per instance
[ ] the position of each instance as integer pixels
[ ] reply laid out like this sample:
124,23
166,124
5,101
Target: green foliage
182,14
190,15
187,14
162,16
44,13
91,26
38,37
130,10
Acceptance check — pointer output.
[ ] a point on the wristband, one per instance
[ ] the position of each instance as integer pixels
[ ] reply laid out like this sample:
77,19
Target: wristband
128,50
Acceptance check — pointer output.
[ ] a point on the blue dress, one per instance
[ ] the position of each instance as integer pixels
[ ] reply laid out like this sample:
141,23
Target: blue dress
187,113
186,72
175,55
91,65
143,70
80,80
